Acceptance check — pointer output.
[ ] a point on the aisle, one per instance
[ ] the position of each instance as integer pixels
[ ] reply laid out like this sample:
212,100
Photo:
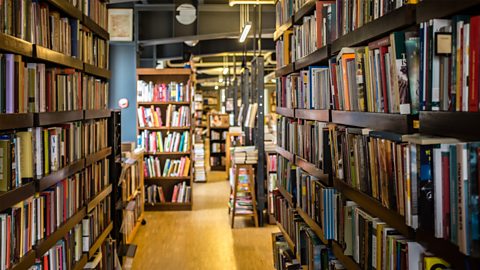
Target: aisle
202,239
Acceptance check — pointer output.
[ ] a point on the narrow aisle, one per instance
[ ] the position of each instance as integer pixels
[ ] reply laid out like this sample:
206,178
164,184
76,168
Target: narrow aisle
202,238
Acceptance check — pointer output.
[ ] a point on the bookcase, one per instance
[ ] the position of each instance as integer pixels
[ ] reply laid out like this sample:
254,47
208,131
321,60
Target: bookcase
218,126
390,139
164,130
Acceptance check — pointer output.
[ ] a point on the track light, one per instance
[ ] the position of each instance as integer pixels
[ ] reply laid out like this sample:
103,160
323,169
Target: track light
216,87
250,2
246,29
225,71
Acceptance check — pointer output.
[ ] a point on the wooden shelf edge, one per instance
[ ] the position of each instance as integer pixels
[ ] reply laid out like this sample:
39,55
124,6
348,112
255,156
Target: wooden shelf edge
397,123
307,9
14,196
94,27
287,112
57,58
97,114
285,70
173,178
318,56
138,223
347,261
450,124
312,170
286,195
100,240
291,244
89,160
99,197
313,225
286,154
284,27
25,262
168,207
97,71
81,263
314,115
165,71
53,118
15,45
57,176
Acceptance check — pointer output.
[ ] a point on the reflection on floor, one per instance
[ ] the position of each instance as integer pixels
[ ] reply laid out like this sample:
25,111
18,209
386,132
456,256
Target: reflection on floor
202,239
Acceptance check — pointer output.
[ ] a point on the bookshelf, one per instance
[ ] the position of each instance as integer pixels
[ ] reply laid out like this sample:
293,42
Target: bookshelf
218,125
172,92
374,125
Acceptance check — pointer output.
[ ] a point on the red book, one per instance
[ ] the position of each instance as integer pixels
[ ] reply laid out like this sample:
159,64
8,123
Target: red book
446,195
9,233
175,193
473,90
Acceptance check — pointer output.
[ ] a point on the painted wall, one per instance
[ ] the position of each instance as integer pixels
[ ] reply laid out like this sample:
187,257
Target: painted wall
123,84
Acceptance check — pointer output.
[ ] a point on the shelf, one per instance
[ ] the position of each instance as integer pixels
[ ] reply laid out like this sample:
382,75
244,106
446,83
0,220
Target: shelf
291,244
97,71
99,197
134,231
15,45
347,261
287,112
57,176
67,8
98,156
450,124
166,71
284,153
25,262
163,103
53,118
286,195
315,115
100,240
219,127
434,9
397,123
44,245
217,153
97,114
94,27
168,207
14,196
171,178
313,225
217,168
312,170
81,263
317,57
375,208
57,58
280,30
9,121
397,19
164,128
285,70
307,9
167,153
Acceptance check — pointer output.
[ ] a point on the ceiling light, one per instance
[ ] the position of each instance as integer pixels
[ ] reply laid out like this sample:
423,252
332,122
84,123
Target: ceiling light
225,71
246,29
251,2
220,79
216,87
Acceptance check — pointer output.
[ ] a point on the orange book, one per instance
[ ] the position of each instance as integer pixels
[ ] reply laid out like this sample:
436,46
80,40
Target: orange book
287,46
187,166
345,55
154,116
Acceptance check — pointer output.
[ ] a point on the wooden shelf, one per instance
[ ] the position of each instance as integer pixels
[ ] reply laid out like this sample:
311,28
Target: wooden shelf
285,70
307,9
81,263
14,196
287,112
220,127
450,124
97,71
167,71
67,8
9,121
100,240
397,123
57,176
287,195
315,115
319,56
132,234
375,208
284,153
97,114
313,225
435,9
57,58
164,178
291,244
347,261
168,207
167,153
163,103
44,245
94,27
15,45
25,262
312,170
98,156
217,168
99,197
53,118
164,128
280,30
397,19
217,153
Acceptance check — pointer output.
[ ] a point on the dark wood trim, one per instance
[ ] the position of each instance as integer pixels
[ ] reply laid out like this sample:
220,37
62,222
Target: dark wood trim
287,112
318,56
100,240
67,8
315,115
99,197
44,245
433,9
313,225
25,262
95,28
397,19
219,128
168,207
287,195
53,118
9,121
450,124
217,168
155,180
14,196
285,70
375,208
97,71
15,45
284,27
397,123
97,114
98,156
289,240
81,263
312,170
187,103
347,261
286,154
307,9
57,58
55,177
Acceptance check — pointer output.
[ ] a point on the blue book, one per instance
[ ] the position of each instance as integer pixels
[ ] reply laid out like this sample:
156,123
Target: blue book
453,194
473,208
180,146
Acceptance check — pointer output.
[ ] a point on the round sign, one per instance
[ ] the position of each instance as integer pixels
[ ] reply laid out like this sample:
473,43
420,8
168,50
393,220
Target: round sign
123,103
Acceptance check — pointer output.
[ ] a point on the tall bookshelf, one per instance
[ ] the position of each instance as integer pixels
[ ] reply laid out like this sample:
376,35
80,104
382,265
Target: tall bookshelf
168,183
423,131
217,132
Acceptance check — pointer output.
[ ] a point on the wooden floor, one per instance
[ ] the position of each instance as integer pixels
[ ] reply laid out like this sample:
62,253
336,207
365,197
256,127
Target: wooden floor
202,238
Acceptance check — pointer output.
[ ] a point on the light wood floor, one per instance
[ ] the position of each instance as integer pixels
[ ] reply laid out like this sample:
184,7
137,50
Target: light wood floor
202,238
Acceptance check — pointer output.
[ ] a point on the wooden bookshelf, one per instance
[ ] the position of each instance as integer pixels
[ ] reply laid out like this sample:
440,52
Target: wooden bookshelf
168,206
314,115
100,239
99,197
15,45
57,176
450,124
94,27
57,58
53,118
89,160
96,71
284,27
25,262
287,112
312,224
397,123
97,114
312,170
12,197
307,9
290,243
318,56
81,263
285,70
284,153
287,195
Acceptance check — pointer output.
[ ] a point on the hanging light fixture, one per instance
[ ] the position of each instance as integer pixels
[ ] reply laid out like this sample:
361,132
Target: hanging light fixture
246,29
245,24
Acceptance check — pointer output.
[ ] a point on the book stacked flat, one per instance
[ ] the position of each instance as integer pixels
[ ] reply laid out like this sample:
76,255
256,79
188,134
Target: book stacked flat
245,155
199,162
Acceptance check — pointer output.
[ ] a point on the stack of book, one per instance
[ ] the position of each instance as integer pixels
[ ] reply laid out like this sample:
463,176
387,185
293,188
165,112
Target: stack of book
199,162
243,204
150,92
245,155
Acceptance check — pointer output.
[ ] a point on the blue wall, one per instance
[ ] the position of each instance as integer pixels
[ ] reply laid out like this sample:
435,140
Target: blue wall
123,84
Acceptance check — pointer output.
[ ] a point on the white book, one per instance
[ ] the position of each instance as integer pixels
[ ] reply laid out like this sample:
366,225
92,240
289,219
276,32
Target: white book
438,191
465,66
140,117
415,256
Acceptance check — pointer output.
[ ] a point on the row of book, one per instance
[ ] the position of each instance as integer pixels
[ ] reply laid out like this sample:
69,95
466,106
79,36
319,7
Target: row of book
94,224
243,202
218,135
283,50
152,117
218,148
287,134
97,177
181,193
95,136
171,168
154,142
313,144
283,12
217,161
199,162
161,92
93,50
97,11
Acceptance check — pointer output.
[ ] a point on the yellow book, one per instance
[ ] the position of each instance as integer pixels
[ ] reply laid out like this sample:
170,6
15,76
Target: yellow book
380,227
26,157
154,116
287,46
433,263
187,166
